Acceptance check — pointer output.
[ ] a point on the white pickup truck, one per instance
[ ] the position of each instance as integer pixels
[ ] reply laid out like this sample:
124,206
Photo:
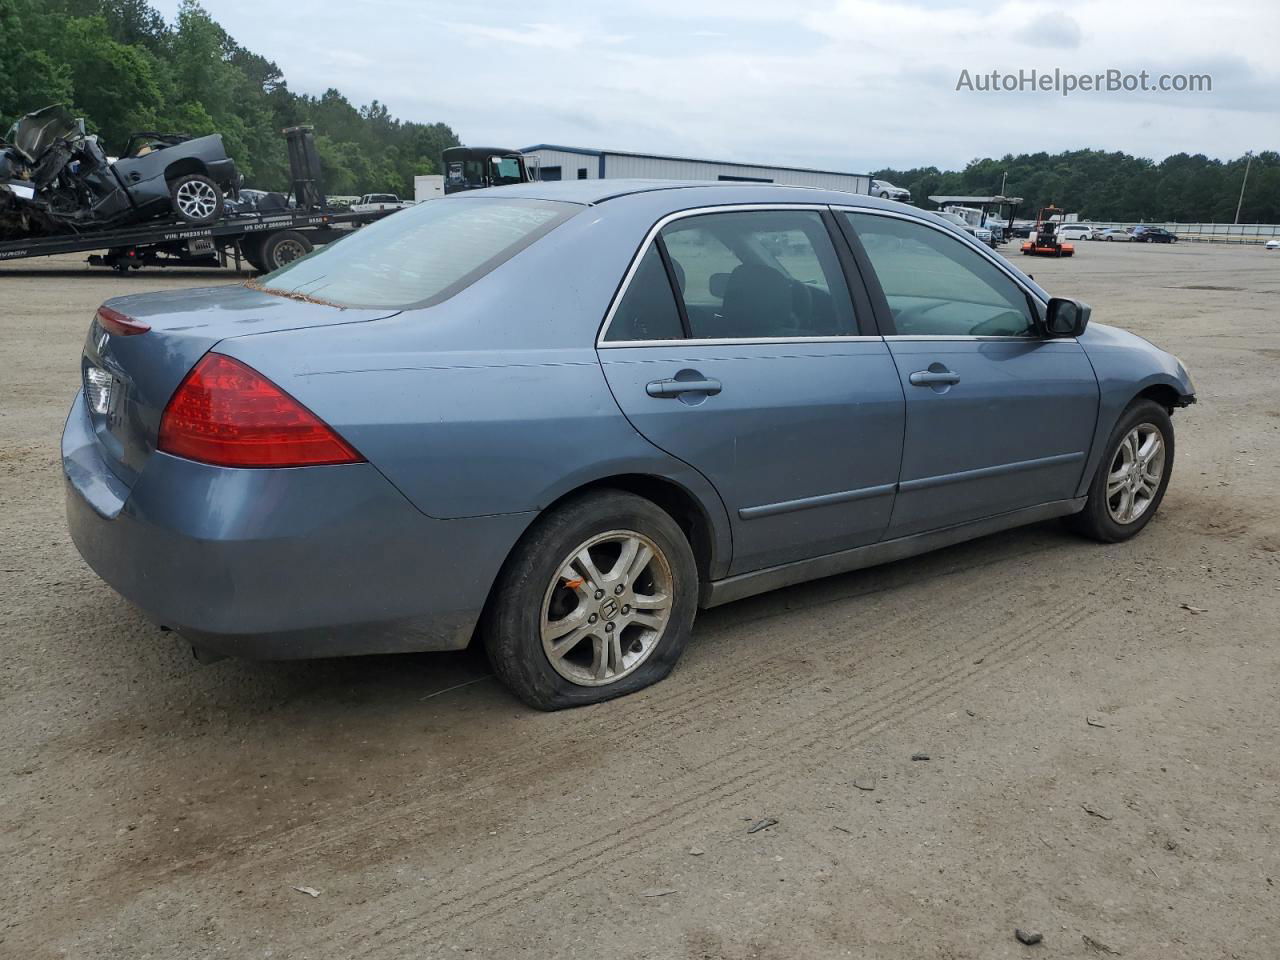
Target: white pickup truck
378,202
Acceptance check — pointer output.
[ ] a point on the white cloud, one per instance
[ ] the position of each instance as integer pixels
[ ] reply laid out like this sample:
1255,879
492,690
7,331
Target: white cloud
850,84
544,36
1055,30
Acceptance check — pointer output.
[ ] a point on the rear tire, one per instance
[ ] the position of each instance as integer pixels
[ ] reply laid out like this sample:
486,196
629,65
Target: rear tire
1132,476
282,248
561,632
196,198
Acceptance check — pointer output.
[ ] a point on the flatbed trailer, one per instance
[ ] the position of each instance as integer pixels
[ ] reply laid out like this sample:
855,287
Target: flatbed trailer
264,240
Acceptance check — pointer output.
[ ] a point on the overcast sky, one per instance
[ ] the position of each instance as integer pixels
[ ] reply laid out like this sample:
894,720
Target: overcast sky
851,85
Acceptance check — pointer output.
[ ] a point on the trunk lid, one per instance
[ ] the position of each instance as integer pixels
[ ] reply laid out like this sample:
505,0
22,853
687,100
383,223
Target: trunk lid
128,380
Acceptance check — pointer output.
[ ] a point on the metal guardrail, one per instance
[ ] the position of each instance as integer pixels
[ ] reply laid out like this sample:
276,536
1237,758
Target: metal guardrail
1206,232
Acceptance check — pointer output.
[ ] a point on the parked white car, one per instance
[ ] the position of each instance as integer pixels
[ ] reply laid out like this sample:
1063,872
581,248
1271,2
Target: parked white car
885,189
377,202
1273,244
1075,231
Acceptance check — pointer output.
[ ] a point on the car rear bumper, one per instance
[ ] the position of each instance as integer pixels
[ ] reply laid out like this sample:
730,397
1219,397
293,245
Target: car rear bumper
281,564
224,172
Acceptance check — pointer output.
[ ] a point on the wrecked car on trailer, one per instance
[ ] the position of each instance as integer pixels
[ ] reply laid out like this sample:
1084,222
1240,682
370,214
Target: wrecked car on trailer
56,178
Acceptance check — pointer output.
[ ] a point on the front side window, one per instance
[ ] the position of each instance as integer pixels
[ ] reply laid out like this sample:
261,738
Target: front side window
756,274
937,285
422,255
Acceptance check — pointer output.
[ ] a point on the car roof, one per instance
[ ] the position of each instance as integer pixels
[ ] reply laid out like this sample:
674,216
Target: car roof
683,193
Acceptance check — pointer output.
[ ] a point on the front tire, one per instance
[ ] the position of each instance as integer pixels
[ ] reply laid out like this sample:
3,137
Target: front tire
596,601
1132,476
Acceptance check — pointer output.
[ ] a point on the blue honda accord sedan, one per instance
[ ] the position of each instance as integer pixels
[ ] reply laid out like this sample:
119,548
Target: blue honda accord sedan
560,418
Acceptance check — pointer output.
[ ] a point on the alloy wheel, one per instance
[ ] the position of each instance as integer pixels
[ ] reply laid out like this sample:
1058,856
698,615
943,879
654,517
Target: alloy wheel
607,608
196,199
1135,474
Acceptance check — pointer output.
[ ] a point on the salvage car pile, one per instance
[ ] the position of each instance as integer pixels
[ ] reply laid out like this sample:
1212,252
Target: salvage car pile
55,178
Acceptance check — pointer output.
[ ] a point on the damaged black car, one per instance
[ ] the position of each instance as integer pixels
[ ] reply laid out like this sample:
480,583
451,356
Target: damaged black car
56,178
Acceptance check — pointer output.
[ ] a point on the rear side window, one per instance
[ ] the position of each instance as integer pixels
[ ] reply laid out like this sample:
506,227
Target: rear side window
937,285
648,308
419,256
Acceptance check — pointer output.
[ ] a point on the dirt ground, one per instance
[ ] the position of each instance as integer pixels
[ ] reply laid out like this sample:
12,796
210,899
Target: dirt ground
1104,763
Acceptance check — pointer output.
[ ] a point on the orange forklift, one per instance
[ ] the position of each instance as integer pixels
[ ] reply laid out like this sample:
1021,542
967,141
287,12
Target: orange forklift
1046,242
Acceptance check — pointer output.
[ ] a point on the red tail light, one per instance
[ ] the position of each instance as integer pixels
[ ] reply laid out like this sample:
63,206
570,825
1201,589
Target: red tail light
122,325
228,414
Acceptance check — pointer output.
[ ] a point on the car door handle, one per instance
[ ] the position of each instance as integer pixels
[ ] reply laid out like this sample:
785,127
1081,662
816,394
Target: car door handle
932,378
676,388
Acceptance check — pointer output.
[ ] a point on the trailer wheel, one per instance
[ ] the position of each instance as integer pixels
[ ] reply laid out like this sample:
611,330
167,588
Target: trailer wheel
196,198
284,247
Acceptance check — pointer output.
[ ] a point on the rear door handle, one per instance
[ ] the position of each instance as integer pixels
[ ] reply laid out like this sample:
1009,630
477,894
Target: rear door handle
932,378
676,388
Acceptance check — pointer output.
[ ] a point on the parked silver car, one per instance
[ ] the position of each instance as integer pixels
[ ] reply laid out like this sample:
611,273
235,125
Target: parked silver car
887,191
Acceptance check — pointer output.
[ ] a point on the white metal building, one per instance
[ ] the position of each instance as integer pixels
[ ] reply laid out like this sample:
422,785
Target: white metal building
569,163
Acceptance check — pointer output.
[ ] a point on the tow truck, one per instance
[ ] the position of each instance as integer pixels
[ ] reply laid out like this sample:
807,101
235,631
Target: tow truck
266,241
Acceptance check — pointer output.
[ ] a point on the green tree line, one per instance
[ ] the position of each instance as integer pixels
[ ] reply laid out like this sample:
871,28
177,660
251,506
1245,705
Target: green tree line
1100,185
124,69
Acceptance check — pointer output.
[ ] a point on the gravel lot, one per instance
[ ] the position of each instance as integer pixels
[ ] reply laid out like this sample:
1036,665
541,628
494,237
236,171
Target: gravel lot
1104,762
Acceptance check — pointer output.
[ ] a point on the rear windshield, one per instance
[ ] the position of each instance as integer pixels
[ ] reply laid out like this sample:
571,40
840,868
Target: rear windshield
418,256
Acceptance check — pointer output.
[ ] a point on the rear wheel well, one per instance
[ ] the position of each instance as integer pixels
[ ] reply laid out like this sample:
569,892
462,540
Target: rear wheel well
678,502
181,168
674,499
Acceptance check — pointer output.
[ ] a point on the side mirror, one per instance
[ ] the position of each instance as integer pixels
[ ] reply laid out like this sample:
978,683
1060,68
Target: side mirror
1066,317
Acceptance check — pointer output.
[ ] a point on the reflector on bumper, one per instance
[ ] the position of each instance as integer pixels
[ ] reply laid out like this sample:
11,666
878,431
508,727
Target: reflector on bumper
97,389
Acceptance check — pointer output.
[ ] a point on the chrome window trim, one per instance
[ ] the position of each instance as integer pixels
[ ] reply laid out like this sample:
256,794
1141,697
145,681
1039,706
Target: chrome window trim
601,344
990,255
969,337
743,341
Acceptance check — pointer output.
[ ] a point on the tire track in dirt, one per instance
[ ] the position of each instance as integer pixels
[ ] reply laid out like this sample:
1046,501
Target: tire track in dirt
491,894
911,702
522,761
350,834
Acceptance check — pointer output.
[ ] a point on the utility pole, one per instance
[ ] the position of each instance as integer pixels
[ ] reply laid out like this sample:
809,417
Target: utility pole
1003,178
1240,202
